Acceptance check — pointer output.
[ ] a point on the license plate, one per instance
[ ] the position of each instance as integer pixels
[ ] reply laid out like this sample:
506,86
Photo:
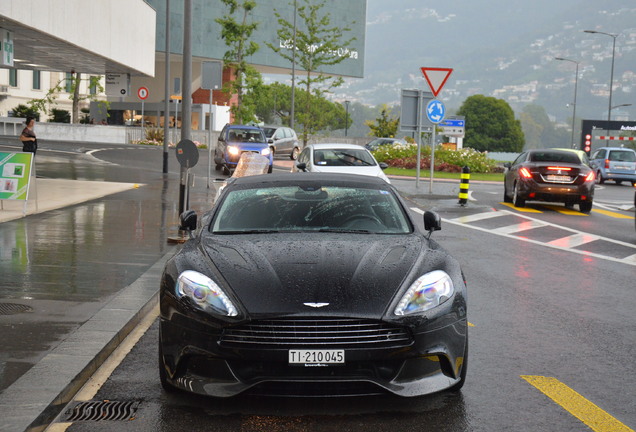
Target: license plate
622,167
558,178
312,357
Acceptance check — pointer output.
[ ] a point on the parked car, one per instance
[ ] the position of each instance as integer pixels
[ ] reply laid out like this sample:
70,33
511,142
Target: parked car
374,144
312,284
340,158
282,141
614,163
234,140
549,175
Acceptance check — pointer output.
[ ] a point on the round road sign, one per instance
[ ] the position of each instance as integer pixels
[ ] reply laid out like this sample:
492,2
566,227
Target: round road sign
187,153
142,93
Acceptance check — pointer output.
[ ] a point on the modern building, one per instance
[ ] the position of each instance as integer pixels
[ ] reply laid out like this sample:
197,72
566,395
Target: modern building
128,38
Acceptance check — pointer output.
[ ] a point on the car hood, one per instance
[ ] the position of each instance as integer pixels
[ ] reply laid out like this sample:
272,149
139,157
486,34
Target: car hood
350,272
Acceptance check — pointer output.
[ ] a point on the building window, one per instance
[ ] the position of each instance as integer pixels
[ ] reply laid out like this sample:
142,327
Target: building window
13,77
36,80
68,82
93,87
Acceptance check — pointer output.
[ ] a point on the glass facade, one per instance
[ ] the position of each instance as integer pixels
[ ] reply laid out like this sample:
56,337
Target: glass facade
207,43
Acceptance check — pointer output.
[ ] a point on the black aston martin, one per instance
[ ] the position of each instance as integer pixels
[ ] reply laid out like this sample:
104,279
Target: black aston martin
311,284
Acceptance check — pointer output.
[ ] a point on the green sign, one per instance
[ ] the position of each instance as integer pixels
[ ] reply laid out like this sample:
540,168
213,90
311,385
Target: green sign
15,172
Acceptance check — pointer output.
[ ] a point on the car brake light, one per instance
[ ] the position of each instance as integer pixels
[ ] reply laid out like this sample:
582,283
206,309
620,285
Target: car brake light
590,177
559,168
606,163
525,173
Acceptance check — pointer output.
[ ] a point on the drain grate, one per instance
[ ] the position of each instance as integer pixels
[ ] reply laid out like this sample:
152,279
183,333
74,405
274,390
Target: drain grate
101,410
14,308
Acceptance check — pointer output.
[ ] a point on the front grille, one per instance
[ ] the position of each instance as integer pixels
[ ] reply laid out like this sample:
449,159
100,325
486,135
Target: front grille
317,332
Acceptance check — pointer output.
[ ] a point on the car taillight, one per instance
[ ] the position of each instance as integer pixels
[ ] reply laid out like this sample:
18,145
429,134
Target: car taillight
525,173
606,163
590,177
557,168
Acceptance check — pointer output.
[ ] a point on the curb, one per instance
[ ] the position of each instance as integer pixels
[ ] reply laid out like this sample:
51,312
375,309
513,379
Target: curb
36,398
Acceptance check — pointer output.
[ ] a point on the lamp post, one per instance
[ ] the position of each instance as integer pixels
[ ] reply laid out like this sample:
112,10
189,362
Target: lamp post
346,116
621,105
609,105
576,81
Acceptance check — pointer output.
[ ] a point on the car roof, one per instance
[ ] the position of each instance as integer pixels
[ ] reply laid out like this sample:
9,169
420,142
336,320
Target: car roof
335,145
355,180
616,148
243,127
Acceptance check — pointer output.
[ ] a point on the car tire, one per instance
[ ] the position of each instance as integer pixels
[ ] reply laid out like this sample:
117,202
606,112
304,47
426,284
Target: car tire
226,170
618,182
462,375
294,154
585,207
516,198
218,167
506,198
163,375
270,169
599,178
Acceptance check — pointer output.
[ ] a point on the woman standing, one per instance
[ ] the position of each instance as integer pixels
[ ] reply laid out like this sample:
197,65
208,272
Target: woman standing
29,141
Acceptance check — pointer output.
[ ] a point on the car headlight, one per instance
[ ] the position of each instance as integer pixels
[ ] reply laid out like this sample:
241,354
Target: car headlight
204,293
266,151
234,151
427,292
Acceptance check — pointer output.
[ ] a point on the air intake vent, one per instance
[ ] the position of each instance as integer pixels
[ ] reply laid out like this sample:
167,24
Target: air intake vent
317,332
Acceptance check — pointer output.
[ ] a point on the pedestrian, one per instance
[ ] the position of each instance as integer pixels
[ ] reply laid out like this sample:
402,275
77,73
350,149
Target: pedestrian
29,141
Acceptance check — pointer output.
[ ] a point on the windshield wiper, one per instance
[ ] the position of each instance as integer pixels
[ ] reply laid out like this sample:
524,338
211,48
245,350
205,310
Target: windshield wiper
248,231
345,230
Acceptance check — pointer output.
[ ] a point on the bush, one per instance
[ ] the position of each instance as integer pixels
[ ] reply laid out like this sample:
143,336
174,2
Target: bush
60,116
445,160
23,111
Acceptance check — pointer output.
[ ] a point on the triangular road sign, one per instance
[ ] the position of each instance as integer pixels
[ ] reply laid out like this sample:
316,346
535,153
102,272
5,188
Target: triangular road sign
436,78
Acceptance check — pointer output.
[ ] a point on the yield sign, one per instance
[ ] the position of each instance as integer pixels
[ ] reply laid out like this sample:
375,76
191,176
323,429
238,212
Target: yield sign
436,78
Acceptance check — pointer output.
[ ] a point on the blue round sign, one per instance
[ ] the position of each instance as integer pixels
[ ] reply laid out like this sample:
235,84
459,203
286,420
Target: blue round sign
435,111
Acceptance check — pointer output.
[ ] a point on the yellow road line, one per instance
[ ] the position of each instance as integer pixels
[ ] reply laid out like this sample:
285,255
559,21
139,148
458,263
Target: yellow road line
590,414
521,209
612,214
563,210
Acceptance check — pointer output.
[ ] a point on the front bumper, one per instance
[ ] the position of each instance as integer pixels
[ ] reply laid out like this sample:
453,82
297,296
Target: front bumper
196,361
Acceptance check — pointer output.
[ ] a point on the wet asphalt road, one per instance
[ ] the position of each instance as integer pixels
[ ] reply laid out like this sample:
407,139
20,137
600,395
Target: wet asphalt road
536,311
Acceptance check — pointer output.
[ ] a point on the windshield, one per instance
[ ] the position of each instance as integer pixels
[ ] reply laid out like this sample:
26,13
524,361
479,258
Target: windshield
269,132
297,209
343,157
245,135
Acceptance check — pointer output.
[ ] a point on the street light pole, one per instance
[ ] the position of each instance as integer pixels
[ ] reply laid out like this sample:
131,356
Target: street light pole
576,81
609,105
346,116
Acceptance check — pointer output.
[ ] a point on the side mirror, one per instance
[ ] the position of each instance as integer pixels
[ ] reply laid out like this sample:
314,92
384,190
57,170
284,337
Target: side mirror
432,222
507,165
302,166
383,165
270,140
188,220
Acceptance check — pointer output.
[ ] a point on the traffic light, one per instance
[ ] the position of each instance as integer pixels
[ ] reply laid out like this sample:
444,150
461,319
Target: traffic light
588,144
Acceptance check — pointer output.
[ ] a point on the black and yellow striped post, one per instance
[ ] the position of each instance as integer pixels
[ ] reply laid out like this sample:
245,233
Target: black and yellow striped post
463,186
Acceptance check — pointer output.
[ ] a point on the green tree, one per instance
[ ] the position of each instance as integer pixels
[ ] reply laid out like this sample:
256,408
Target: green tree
539,130
491,125
273,105
23,111
236,34
317,45
384,126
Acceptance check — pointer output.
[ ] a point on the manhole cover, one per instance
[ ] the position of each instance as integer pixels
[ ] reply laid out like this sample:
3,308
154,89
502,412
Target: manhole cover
101,410
14,308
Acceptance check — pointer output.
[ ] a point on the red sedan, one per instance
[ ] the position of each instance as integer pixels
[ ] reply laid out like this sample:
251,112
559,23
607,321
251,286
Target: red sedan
549,175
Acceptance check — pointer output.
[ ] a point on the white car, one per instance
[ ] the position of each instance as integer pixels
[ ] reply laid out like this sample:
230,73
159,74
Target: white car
339,158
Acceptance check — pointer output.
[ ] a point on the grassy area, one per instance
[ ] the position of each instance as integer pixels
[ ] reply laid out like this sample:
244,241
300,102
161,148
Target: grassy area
443,175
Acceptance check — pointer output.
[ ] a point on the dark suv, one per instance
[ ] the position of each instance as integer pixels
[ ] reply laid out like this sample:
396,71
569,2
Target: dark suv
282,140
235,140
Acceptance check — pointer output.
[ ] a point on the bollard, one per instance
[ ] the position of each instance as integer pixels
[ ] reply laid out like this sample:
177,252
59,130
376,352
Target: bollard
463,186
